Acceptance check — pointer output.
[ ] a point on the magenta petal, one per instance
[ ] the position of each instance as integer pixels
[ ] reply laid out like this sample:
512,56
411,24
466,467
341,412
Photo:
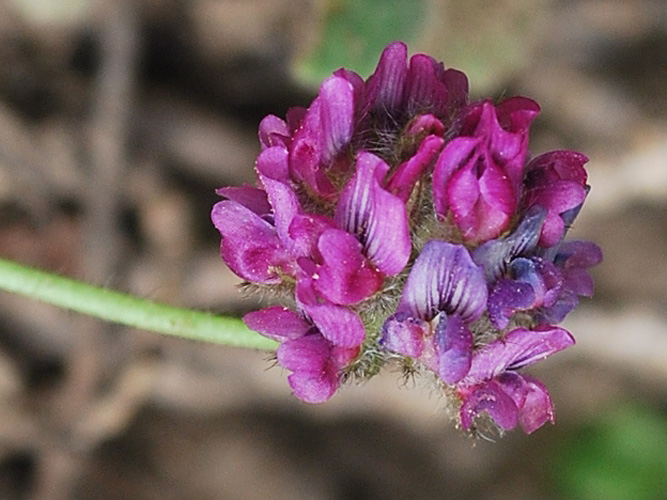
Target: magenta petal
490,398
250,197
305,231
313,388
454,155
376,216
250,246
307,354
403,180
277,322
404,334
532,399
454,341
338,324
337,116
285,207
305,155
509,135
426,124
345,276
444,278
273,131
554,166
481,206
273,163
520,347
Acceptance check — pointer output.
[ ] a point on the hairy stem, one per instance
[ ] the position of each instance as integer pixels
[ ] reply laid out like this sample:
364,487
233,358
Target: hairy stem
127,309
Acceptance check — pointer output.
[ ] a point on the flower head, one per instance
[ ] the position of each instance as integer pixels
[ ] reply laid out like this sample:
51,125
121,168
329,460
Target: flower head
404,224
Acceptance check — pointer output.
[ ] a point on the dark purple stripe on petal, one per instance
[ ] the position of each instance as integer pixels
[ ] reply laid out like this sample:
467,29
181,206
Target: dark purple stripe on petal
424,92
376,216
444,278
385,86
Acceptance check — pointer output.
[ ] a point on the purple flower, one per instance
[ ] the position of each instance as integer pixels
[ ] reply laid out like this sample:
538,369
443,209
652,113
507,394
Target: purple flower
314,360
557,182
493,385
403,223
444,292
478,173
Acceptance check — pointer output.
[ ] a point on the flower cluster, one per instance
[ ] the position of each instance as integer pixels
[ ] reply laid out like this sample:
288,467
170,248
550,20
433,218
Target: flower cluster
401,223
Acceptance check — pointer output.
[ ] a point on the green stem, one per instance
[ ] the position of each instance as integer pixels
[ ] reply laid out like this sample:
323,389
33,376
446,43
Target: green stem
127,309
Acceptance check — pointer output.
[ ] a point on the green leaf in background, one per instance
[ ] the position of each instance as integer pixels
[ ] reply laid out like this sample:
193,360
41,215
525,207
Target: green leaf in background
354,32
621,456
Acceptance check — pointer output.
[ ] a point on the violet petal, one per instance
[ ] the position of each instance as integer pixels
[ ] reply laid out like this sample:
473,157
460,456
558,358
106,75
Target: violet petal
495,255
506,297
579,253
454,341
519,348
444,278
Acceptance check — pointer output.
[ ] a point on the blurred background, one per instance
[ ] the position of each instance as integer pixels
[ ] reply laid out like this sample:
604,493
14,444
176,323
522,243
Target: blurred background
119,118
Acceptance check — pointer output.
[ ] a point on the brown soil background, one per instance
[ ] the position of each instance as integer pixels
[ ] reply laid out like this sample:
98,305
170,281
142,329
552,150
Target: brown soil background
117,122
